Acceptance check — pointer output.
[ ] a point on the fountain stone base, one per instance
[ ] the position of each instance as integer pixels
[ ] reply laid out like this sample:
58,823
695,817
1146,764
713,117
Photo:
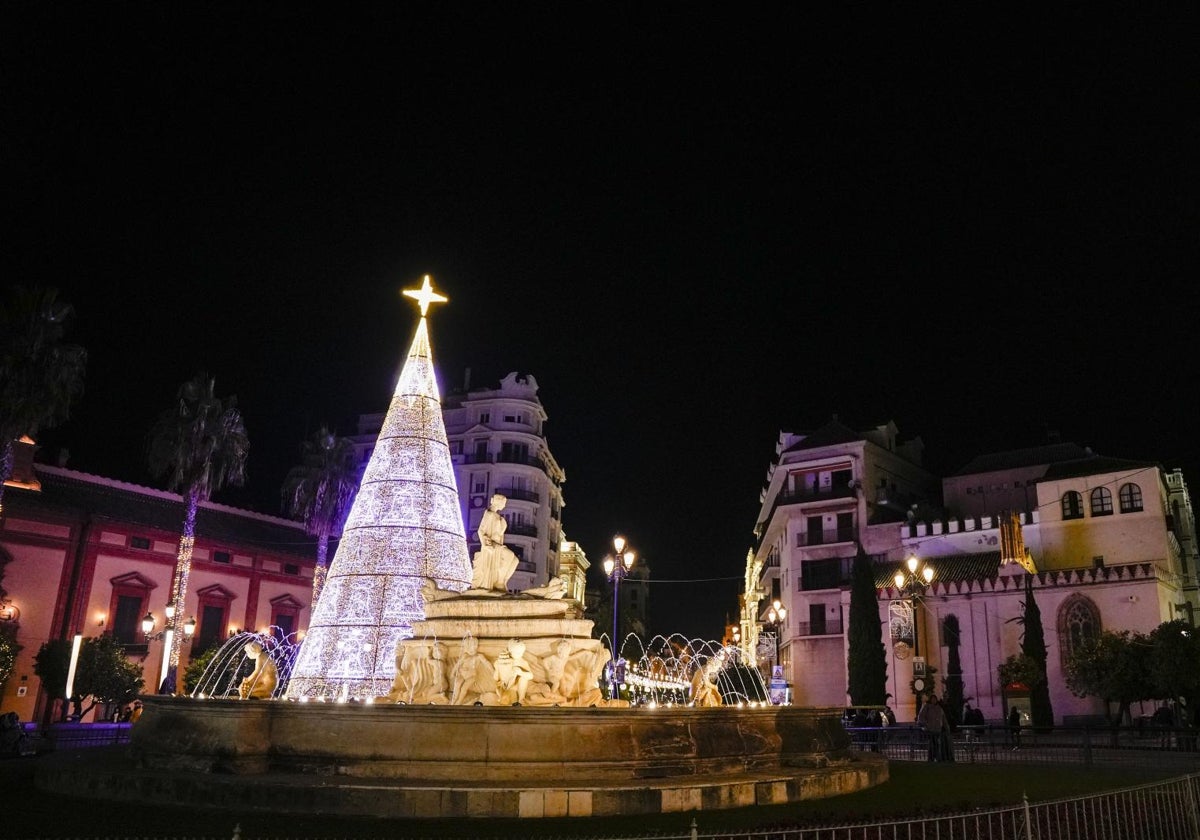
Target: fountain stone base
440,761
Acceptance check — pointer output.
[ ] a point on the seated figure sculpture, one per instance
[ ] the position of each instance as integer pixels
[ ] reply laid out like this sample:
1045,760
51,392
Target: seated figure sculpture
513,674
494,563
471,677
262,681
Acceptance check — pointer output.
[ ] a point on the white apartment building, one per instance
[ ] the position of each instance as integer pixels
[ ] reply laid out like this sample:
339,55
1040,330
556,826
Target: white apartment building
1113,543
498,445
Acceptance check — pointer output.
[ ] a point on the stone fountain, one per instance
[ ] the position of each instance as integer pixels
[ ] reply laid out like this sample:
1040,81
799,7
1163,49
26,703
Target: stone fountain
424,688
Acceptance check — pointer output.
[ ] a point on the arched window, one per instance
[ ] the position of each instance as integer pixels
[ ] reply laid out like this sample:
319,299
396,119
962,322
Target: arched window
1102,502
1072,505
1131,498
1078,624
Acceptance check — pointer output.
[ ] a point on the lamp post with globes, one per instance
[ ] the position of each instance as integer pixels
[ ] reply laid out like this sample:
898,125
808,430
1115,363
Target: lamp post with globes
166,635
776,614
911,581
617,566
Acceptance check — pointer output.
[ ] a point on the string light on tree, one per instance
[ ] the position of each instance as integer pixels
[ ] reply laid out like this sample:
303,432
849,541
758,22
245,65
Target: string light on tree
404,527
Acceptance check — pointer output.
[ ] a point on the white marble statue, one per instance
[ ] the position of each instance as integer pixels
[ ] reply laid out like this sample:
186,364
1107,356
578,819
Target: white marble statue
420,674
555,588
472,676
513,674
494,562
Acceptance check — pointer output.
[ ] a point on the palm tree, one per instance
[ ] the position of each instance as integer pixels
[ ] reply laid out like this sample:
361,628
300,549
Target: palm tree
319,491
200,445
39,375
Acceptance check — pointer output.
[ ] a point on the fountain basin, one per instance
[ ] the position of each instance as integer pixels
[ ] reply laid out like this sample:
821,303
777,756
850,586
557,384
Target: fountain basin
480,743
434,762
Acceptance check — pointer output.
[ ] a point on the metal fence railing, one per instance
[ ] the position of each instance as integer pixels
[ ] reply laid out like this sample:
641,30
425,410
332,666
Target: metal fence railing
1128,746
1168,810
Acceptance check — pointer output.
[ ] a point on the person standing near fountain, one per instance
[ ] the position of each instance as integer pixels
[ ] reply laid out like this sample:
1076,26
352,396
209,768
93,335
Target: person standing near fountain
494,562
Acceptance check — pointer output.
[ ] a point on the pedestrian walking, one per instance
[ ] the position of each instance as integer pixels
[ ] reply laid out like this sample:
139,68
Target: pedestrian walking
932,719
1014,727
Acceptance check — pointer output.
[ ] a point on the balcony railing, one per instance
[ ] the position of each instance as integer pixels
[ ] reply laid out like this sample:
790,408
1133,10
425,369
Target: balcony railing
522,530
477,458
514,458
819,628
813,494
518,493
828,536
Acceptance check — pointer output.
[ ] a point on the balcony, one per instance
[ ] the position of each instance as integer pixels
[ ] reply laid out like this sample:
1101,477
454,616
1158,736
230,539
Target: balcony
813,494
819,628
827,537
522,530
514,458
517,493
477,458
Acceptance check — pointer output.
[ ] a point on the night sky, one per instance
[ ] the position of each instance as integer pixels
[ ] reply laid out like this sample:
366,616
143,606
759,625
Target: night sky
693,231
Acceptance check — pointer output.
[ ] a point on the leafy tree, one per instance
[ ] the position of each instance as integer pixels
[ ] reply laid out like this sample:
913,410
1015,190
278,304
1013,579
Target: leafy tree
40,375
1114,667
319,492
102,673
195,668
952,684
1018,668
866,657
1175,664
200,445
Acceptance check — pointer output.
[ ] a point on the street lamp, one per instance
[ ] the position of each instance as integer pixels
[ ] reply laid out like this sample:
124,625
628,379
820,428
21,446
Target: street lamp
912,580
166,634
617,566
775,616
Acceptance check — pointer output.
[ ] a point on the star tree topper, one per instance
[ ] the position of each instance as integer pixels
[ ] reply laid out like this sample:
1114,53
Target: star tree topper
425,296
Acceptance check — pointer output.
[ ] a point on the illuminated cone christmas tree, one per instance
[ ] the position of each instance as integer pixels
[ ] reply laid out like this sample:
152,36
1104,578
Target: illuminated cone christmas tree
404,526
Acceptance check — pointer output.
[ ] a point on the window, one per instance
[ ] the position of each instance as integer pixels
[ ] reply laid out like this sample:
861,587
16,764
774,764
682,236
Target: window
128,618
1072,505
456,447
222,557
816,619
212,627
1078,624
285,616
215,602
1102,502
815,537
139,542
485,417
130,601
821,574
845,527
284,626
514,453
291,569
1131,498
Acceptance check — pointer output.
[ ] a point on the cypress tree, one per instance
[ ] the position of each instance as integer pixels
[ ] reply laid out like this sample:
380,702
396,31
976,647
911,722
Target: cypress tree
1033,645
952,685
867,662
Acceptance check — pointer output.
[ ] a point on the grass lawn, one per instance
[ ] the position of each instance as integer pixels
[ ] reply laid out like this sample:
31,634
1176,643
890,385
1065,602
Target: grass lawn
914,788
